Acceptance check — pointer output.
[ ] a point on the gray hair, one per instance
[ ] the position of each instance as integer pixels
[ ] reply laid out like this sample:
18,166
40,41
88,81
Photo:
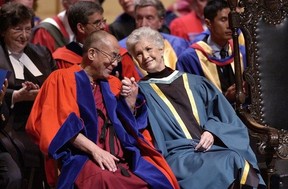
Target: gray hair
144,33
161,11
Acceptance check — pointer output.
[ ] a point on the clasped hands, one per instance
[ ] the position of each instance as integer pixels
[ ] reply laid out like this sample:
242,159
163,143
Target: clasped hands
28,92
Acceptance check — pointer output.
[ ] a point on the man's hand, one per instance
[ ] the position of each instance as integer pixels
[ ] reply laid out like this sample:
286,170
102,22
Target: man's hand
105,159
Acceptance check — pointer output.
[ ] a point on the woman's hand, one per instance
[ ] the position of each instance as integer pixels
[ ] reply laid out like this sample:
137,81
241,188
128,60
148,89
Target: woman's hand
3,90
130,91
206,141
28,92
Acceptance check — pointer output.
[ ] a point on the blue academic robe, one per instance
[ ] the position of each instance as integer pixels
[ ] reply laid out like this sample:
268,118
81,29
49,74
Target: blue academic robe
217,167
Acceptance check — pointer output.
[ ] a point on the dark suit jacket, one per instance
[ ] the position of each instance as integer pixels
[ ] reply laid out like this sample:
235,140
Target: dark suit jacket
43,60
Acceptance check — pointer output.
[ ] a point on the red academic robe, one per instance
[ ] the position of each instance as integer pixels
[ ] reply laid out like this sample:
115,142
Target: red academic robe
43,37
187,26
52,123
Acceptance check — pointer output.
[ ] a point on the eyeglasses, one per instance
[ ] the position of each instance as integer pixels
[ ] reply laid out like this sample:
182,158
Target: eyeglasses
18,30
116,57
98,23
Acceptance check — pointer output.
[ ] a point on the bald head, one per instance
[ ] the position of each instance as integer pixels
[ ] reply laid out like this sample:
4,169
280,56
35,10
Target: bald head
100,54
99,39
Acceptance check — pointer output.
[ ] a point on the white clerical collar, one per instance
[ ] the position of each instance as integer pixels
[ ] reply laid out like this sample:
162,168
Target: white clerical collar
18,61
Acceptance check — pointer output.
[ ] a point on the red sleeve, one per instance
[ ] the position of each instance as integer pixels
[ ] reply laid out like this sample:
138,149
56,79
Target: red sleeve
55,101
128,66
43,37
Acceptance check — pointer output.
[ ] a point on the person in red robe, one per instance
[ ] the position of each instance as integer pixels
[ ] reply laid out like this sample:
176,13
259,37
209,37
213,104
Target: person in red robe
96,135
190,25
85,17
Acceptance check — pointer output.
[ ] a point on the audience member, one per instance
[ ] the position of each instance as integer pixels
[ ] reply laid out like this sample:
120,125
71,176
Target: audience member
93,131
190,25
177,9
151,13
10,174
30,65
125,23
213,56
84,18
55,32
194,126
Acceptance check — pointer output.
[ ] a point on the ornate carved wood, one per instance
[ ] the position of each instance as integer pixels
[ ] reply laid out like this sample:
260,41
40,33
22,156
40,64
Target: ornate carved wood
264,24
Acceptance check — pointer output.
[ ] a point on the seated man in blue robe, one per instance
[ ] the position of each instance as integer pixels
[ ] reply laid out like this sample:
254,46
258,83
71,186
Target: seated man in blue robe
193,125
212,56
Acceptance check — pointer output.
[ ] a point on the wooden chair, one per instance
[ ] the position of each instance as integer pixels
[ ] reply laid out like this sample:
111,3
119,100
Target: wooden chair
264,24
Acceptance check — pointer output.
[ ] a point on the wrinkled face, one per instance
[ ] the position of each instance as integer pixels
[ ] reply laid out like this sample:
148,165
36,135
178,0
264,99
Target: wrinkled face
96,22
219,27
149,57
17,37
147,16
127,6
27,3
104,59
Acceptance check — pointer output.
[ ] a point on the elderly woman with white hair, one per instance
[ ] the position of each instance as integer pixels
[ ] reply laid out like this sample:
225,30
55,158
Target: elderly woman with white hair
194,126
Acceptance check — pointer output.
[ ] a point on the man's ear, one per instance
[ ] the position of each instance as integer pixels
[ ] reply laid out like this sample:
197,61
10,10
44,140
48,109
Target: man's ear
208,23
80,28
91,54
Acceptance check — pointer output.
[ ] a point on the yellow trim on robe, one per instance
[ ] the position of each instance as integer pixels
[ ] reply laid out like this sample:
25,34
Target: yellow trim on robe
245,173
210,68
191,98
172,109
170,58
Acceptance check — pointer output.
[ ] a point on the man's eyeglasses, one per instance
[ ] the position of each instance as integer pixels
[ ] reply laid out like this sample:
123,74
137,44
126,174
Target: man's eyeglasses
98,23
116,57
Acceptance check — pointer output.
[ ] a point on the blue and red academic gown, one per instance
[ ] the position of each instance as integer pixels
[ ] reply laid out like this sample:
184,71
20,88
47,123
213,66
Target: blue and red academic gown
199,60
230,157
63,109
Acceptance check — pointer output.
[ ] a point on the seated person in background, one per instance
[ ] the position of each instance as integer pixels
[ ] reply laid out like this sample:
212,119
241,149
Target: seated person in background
194,126
77,120
213,56
10,174
190,25
84,17
151,13
176,9
30,65
55,32
125,23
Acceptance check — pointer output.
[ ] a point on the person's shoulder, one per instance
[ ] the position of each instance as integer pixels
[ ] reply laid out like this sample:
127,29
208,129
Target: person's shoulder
38,48
122,42
174,38
182,19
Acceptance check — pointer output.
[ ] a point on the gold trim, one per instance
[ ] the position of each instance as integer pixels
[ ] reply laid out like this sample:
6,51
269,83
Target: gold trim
191,98
172,109
245,173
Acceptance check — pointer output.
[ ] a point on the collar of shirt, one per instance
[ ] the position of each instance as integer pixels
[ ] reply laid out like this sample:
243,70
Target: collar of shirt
216,48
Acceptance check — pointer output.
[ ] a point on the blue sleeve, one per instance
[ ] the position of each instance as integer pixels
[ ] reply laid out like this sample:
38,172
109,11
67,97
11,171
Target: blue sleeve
189,62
